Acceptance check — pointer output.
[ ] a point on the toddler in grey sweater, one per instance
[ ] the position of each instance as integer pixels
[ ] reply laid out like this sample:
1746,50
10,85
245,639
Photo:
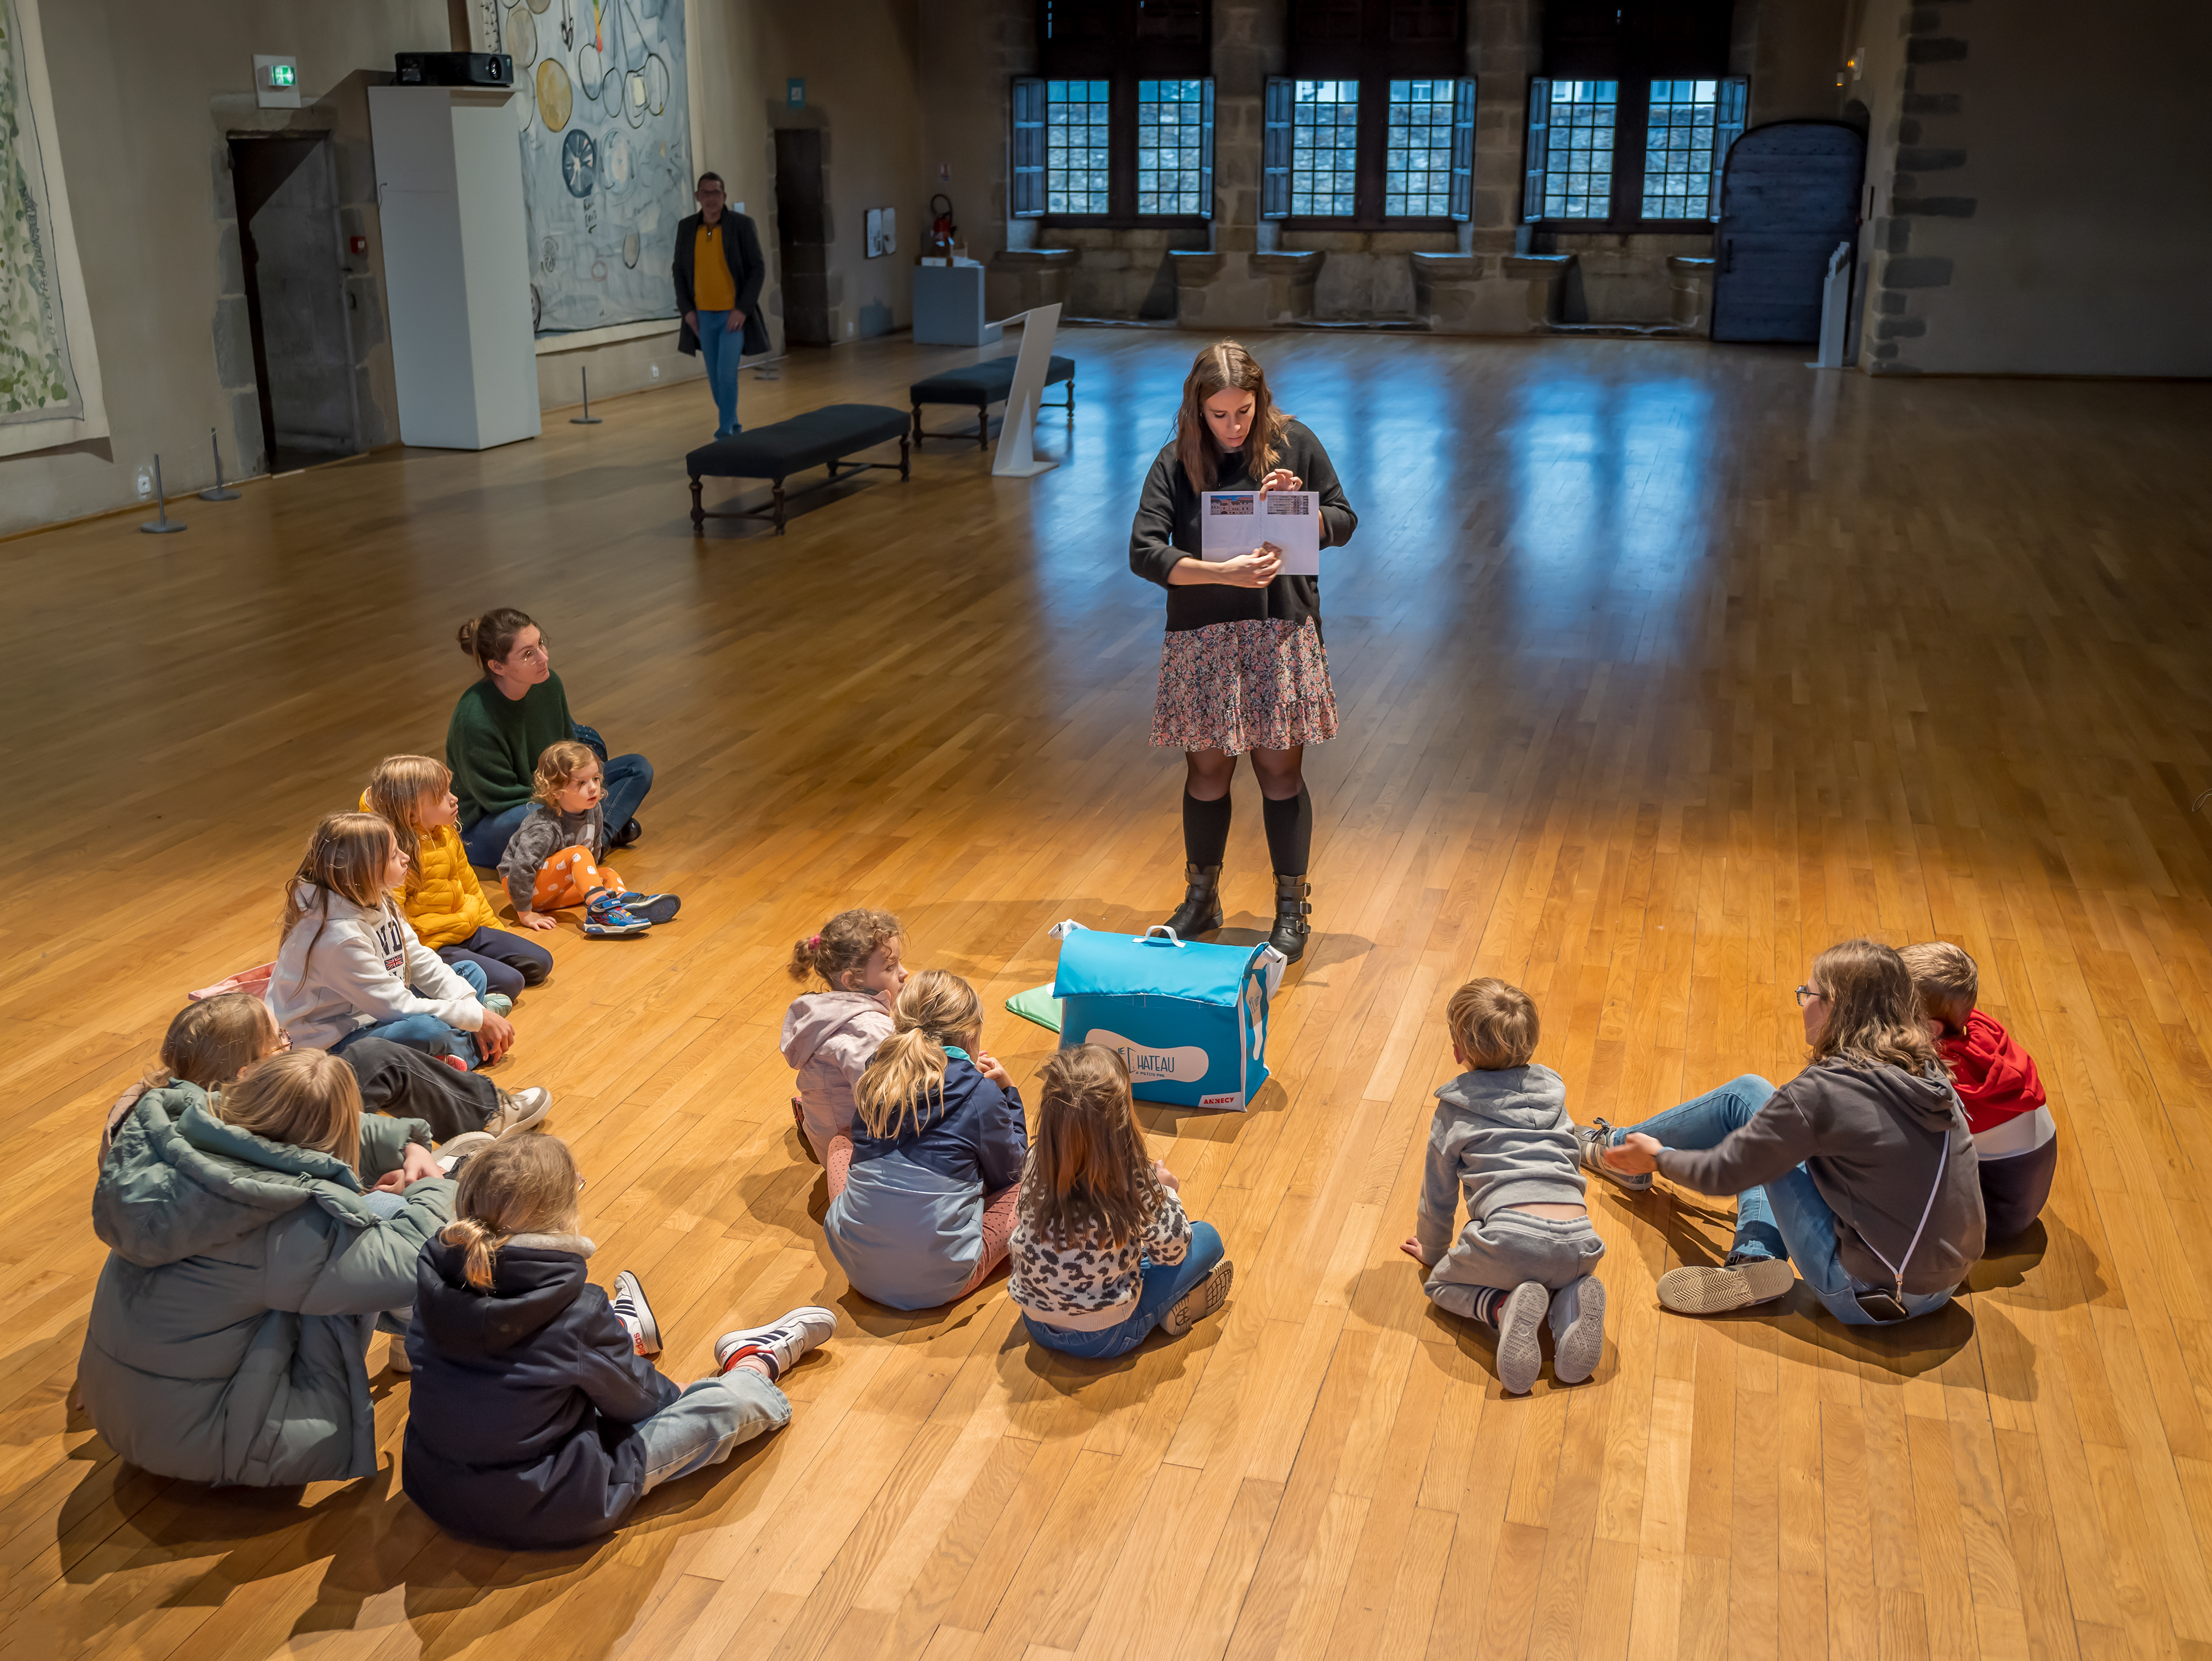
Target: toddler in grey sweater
1502,1138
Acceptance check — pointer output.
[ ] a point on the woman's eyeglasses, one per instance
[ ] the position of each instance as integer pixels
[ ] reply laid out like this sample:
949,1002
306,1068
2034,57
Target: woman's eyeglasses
1807,993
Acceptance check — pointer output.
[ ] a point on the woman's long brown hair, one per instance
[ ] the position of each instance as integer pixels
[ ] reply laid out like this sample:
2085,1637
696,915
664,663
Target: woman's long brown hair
1220,366
1088,1174
1874,1015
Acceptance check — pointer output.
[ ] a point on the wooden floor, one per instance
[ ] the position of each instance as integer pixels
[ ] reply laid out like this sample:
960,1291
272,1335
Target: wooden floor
1661,667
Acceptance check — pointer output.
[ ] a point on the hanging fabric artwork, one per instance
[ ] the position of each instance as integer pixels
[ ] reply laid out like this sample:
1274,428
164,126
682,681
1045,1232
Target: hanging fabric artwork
49,377
606,152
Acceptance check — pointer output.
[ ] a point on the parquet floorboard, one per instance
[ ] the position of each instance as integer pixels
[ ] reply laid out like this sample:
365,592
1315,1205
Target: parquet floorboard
1660,668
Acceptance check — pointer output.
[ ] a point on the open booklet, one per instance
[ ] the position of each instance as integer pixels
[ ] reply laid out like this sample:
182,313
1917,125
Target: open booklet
1235,522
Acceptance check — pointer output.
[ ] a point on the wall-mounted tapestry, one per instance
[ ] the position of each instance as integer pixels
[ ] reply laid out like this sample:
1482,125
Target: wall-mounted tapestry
49,377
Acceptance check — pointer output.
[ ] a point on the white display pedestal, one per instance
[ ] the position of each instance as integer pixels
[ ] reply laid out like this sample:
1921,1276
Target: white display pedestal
948,307
1015,458
456,265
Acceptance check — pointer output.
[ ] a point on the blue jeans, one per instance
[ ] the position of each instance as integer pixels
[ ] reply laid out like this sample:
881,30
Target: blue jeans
720,347
700,1426
1165,1284
424,1032
627,778
1787,1218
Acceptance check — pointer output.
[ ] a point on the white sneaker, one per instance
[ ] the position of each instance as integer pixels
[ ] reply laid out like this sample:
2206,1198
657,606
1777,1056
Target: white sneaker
782,1342
395,1356
518,1110
629,1299
1578,1320
1699,1289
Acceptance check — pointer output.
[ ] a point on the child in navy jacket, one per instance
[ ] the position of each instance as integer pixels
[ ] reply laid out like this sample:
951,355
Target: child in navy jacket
922,1193
536,1420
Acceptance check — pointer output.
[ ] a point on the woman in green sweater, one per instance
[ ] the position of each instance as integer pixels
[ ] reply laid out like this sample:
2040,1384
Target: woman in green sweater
502,726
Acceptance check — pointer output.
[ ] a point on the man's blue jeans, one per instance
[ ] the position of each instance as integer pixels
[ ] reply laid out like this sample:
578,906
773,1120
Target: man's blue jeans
425,1032
1165,1284
1787,1218
627,778
720,347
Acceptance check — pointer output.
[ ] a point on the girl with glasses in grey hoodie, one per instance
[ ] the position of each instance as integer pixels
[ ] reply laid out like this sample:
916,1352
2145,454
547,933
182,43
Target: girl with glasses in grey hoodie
1502,1135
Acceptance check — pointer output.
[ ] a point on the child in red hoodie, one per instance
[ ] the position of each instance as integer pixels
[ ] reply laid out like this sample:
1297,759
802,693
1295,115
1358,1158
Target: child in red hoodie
2014,1137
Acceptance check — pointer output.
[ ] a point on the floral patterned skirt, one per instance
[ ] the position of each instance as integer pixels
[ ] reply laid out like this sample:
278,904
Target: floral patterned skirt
1259,683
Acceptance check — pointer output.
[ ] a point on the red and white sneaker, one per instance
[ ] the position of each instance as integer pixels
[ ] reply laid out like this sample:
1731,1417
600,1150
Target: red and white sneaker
780,1343
634,1313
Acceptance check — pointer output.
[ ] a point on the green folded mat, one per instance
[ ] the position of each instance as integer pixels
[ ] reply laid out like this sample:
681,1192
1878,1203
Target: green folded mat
1038,1005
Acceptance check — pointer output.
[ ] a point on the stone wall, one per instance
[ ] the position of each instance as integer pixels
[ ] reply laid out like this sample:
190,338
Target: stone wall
2001,240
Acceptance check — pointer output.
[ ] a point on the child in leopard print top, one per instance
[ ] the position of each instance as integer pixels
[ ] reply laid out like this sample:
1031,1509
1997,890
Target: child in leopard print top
1101,1252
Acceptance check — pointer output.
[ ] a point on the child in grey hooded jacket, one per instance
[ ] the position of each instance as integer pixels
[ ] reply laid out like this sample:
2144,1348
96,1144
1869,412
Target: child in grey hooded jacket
1501,1135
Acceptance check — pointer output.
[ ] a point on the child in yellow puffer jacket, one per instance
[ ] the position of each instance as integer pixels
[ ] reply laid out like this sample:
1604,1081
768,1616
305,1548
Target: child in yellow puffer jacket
443,900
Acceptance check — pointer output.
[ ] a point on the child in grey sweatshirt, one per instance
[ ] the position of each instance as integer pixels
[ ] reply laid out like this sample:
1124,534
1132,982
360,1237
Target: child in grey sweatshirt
1502,1135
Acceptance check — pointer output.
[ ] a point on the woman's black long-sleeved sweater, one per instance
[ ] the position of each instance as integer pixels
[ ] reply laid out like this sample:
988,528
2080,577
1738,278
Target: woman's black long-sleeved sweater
1167,529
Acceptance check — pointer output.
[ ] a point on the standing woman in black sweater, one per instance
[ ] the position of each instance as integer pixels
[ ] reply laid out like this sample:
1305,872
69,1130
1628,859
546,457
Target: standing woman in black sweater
1243,668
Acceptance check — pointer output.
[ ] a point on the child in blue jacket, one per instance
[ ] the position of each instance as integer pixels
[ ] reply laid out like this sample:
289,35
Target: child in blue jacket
536,1420
922,1203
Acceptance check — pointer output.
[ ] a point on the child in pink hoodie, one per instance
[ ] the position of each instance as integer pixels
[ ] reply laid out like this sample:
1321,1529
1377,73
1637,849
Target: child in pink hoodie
830,1037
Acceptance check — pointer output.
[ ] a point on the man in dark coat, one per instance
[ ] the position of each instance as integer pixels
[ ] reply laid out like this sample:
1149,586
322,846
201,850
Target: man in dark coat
719,272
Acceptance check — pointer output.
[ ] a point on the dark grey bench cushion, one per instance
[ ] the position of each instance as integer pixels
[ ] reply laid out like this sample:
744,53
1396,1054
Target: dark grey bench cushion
806,440
988,382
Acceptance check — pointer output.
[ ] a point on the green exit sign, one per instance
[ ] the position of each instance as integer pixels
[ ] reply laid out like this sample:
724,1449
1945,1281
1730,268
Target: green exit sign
283,75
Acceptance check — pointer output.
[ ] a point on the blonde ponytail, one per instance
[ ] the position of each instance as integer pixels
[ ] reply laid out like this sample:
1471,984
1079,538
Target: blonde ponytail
935,1009
524,1185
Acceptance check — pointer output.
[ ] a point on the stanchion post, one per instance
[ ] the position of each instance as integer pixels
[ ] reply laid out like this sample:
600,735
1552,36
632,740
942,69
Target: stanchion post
163,525
586,419
221,492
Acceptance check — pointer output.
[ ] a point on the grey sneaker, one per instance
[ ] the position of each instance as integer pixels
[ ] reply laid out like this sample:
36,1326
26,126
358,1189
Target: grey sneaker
518,1110
1520,1357
1578,1329
783,1342
1200,1301
1589,1140
498,1002
1736,1284
629,1299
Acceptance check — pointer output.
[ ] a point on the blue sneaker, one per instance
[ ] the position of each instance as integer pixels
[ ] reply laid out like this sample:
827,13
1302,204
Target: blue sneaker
606,916
498,1002
653,907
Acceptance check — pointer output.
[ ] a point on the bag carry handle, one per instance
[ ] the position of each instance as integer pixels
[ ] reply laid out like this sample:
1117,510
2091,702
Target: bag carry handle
1158,928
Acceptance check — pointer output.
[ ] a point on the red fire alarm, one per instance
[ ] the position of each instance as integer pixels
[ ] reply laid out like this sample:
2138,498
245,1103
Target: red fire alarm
356,245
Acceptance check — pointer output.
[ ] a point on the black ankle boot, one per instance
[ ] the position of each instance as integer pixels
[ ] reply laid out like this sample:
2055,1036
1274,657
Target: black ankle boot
1291,910
1201,911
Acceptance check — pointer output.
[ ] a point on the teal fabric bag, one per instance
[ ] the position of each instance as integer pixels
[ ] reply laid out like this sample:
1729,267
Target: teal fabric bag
1190,1019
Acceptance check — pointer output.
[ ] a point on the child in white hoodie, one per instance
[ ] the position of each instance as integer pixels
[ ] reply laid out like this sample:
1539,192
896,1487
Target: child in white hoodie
829,1037
1502,1133
350,967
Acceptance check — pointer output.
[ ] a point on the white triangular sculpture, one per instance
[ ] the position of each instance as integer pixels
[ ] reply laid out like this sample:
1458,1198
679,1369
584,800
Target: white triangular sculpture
1015,458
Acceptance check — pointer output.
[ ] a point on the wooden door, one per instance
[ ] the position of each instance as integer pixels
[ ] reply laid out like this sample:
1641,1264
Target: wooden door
1790,193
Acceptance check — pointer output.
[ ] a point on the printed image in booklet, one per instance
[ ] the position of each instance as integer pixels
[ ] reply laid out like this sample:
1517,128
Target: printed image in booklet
1234,522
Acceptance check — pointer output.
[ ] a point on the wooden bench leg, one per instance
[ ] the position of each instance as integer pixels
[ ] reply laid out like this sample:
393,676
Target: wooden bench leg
917,426
983,425
698,513
1071,403
905,471
778,506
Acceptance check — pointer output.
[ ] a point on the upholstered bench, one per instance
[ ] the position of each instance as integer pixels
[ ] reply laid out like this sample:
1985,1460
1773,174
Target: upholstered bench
775,452
985,384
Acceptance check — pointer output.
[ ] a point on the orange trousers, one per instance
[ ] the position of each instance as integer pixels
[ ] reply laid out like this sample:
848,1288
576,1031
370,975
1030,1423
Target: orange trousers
568,877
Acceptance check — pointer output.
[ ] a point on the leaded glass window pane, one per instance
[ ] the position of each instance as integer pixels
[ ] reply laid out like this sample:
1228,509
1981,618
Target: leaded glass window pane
1678,150
1075,157
1171,147
1324,144
1578,166
1417,157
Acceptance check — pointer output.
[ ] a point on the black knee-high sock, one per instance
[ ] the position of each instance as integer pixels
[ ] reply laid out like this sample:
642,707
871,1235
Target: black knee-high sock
1205,829
1289,832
